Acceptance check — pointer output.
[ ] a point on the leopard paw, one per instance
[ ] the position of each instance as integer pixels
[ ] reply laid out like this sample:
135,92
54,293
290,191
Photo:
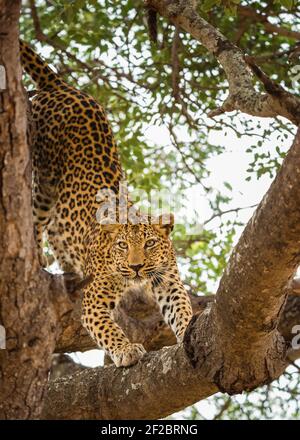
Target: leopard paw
127,355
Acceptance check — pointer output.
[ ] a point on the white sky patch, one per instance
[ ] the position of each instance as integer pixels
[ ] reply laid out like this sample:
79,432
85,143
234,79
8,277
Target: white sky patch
90,358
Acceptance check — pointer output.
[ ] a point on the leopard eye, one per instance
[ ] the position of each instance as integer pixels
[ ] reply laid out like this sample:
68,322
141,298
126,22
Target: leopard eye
122,245
150,243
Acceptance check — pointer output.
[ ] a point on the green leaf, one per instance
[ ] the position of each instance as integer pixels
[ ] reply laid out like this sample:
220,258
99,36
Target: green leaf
286,3
209,4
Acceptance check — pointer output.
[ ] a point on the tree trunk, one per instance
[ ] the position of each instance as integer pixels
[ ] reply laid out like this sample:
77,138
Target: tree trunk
25,311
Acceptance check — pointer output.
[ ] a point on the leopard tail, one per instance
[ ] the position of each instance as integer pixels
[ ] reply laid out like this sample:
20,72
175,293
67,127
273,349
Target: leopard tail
40,72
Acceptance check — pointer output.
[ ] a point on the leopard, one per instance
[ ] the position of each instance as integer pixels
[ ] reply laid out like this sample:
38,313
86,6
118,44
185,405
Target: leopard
74,156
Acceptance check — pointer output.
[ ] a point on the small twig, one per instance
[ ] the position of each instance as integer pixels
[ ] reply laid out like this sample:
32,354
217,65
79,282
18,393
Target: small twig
175,143
175,65
151,17
269,85
176,92
219,214
224,407
227,106
36,22
242,28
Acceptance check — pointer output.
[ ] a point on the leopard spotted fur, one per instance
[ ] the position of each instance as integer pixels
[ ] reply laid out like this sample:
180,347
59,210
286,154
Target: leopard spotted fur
75,156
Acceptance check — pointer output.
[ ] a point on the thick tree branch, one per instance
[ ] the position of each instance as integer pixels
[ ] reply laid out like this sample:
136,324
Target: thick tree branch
242,93
234,345
129,393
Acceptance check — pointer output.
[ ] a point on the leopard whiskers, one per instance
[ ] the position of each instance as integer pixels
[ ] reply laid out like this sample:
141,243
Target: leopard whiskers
159,276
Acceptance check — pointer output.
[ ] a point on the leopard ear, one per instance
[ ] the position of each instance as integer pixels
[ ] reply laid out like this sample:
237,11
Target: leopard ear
164,224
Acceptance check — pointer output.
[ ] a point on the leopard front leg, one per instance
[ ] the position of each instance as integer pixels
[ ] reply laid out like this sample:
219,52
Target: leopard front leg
174,303
100,298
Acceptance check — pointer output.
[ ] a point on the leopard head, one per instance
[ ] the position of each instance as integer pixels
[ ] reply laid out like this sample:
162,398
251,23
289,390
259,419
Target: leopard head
141,252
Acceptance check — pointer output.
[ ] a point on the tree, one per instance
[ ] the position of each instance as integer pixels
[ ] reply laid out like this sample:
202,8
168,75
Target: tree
238,340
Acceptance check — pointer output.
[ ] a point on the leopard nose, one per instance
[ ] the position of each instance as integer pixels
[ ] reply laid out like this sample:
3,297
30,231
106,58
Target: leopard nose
136,267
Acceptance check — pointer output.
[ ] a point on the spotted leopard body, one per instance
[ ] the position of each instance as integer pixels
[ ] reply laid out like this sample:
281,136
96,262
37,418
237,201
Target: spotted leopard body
74,157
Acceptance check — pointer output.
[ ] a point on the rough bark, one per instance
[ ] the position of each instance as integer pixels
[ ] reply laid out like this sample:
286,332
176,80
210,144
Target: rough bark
25,310
242,93
234,345
63,365
162,383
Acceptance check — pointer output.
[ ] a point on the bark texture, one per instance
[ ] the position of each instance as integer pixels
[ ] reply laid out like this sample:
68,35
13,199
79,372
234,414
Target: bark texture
25,310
